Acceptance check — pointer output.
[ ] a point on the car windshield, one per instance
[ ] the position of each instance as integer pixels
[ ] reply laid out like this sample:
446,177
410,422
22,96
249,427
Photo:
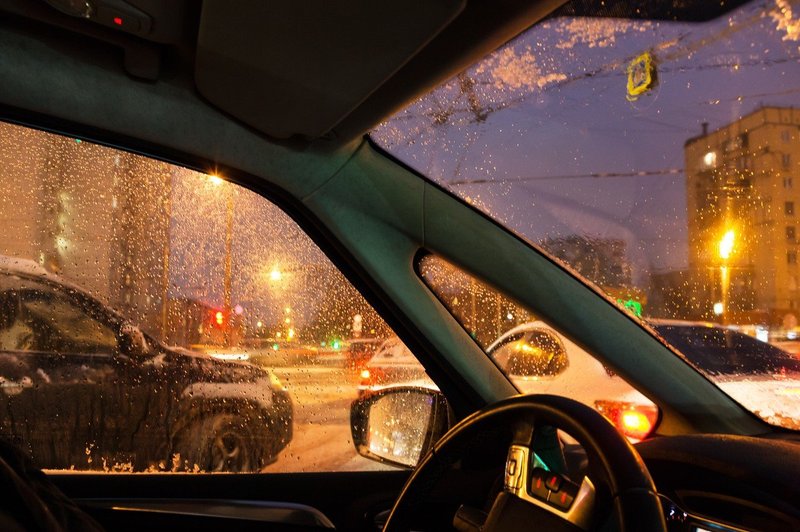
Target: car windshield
657,160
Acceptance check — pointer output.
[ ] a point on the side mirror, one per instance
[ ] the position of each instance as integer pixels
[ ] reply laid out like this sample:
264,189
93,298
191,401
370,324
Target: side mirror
523,365
132,341
399,425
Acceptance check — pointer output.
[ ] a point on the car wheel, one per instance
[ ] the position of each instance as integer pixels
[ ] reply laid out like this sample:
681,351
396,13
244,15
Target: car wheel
222,442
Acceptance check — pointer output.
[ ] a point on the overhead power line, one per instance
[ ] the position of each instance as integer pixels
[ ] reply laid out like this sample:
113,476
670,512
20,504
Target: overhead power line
595,175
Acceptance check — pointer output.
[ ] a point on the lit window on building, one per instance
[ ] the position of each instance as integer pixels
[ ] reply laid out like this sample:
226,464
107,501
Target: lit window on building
710,159
788,208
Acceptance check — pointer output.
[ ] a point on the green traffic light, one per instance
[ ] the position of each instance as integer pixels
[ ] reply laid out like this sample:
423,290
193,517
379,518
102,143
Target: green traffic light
632,305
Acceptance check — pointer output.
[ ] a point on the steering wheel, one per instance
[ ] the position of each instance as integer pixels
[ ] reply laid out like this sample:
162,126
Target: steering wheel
533,498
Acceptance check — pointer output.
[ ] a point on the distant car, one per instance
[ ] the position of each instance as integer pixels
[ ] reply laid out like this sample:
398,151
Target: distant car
724,352
761,376
392,363
755,373
360,351
77,378
541,360
538,360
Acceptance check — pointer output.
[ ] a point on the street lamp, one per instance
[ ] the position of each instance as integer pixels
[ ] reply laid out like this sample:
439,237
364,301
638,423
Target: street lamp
217,181
725,250
726,245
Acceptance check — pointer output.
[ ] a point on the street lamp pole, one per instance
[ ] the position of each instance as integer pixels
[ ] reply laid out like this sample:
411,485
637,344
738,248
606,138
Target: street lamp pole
228,263
165,256
724,275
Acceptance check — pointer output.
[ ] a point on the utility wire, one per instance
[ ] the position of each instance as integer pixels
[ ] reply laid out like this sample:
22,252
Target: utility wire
595,175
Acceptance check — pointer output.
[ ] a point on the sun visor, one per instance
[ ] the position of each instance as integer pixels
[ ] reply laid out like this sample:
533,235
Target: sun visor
298,68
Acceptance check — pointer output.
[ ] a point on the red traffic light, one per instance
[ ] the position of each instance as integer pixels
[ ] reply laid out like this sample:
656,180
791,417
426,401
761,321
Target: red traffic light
217,319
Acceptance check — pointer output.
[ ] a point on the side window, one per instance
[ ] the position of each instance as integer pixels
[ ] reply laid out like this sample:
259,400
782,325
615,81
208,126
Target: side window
16,333
59,326
240,346
533,354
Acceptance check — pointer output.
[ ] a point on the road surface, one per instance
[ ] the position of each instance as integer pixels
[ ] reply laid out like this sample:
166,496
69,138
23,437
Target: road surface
322,396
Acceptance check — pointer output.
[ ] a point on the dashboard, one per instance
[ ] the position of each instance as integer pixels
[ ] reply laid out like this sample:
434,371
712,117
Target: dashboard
726,483
713,483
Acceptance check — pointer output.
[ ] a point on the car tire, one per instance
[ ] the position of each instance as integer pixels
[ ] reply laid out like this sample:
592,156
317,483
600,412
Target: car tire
222,442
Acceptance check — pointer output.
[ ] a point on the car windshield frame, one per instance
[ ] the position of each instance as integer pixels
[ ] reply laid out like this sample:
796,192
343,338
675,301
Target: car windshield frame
426,151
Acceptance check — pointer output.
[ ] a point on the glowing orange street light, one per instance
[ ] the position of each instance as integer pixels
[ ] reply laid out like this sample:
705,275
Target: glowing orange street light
726,245
725,250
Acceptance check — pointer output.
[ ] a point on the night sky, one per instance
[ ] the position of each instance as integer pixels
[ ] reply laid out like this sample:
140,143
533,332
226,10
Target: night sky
551,106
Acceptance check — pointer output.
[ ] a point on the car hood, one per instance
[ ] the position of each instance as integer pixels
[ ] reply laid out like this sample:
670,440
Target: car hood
202,367
776,398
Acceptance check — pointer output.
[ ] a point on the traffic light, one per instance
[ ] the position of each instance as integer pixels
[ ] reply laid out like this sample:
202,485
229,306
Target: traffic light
218,319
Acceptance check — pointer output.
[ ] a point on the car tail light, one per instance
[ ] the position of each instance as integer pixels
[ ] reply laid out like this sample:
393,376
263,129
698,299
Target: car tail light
372,376
634,421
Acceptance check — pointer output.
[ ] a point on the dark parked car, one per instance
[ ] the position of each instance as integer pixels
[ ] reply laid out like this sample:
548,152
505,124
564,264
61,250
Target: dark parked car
724,352
74,373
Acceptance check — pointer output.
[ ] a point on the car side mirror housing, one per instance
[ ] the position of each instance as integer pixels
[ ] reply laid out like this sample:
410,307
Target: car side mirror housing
399,425
132,341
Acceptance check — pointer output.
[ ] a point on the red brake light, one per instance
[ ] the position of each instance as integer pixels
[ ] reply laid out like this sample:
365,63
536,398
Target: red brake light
634,421
372,376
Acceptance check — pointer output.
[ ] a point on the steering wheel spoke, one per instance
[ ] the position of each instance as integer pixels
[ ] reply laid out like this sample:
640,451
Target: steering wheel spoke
549,491
532,497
